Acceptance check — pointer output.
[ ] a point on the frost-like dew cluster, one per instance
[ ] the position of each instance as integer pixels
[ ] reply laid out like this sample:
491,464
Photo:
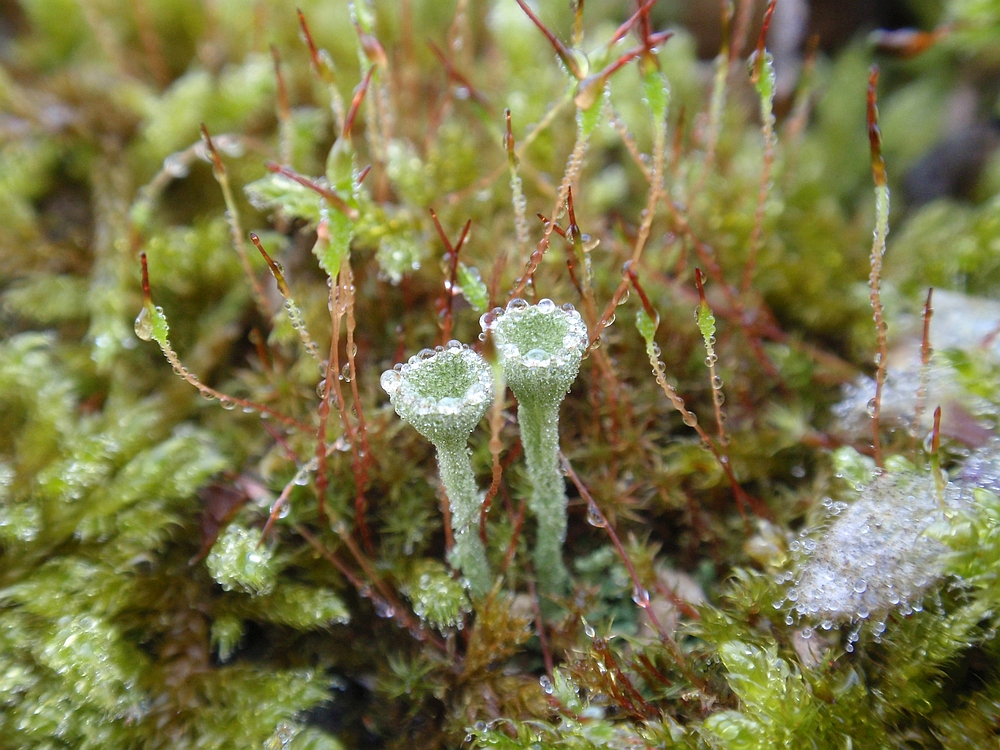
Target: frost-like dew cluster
982,468
438,599
237,563
874,556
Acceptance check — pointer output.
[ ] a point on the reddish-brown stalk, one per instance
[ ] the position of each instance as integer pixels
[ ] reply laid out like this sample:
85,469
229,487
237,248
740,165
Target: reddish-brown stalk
641,596
564,53
512,546
570,256
278,438
260,346
656,191
445,304
767,128
322,67
688,417
328,195
878,248
925,363
543,639
280,503
706,254
378,124
359,96
641,15
294,314
699,280
208,392
620,686
517,192
574,236
364,450
387,601
648,671
496,425
593,85
340,299
573,165
456,76
235,231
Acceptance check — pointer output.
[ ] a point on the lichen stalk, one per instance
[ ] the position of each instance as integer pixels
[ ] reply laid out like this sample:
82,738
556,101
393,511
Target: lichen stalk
444,393
468,553
540,348
539,425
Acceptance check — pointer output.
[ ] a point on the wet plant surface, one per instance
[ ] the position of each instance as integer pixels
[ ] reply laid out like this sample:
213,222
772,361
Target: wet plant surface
497,374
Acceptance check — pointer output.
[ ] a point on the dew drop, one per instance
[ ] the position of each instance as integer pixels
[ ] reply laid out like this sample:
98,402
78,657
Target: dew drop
640,596
588,629
546,684
716,382
860,586
871,407
594,518
144,325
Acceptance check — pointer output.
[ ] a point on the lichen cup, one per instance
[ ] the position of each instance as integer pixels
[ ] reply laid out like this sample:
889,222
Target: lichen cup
540,348
444,394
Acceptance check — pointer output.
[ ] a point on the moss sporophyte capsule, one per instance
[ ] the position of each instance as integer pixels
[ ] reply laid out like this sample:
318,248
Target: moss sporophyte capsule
540,348
444,394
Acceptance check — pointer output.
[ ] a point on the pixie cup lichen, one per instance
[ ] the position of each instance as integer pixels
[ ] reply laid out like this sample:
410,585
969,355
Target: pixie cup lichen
444,394
540,348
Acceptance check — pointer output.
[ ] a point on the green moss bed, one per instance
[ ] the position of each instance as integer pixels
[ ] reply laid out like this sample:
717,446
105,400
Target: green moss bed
778,519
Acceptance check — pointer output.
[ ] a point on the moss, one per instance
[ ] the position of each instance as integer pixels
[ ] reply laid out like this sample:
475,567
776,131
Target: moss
274,573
